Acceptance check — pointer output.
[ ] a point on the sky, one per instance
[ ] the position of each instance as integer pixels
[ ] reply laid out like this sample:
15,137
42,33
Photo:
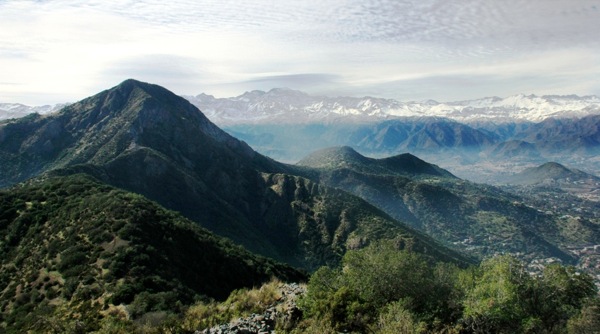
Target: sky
54,51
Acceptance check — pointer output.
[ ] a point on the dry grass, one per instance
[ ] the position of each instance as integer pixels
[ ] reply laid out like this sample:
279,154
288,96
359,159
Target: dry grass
241,303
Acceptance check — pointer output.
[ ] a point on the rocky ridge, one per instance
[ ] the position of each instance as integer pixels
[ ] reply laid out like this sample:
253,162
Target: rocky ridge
284,311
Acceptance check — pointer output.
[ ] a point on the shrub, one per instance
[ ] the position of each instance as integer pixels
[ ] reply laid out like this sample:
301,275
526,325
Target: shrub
396,319
587,321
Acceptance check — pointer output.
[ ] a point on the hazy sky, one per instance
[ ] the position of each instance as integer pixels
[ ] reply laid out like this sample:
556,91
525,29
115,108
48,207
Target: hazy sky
447,50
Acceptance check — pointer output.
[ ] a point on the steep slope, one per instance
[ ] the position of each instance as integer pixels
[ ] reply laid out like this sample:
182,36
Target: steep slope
477,219
514,148
130,117
145,139
421,134
558,136
72,243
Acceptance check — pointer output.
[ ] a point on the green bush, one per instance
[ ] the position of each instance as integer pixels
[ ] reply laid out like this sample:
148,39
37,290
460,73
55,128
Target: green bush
370,279
396,319
381,288
587,321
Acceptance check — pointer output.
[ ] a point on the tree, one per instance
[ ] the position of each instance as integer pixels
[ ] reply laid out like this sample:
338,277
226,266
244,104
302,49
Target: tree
380,274
495,302
505,298
395,319
563,292
369,279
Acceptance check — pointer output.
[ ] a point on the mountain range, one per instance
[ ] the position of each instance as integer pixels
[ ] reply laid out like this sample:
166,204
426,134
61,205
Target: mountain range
469,151
17,110
494,134
98,195
517,131
145,139
291,106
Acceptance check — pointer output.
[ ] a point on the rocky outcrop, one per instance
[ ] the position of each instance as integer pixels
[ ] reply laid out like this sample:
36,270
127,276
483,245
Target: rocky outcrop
284,313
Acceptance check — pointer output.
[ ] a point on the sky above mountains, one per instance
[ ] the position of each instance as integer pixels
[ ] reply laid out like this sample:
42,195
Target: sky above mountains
64,50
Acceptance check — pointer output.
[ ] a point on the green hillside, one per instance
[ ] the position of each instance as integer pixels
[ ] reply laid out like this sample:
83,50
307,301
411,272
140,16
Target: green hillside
147,140
73,248
346,157
477,219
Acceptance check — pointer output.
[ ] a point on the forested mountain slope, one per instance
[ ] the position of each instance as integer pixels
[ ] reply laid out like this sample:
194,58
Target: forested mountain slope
76,248
479,219
145,139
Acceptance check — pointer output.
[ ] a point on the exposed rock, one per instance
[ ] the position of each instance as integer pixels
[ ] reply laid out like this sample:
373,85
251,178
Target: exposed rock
284,311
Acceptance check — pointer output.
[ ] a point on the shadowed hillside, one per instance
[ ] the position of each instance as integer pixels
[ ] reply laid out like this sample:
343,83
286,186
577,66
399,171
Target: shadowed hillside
77,244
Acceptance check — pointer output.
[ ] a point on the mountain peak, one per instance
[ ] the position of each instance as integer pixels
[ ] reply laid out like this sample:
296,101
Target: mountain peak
346,157
334,157
549,170
345,151
549,173
283,91
132,83
128,86
119,121
150,104
548,166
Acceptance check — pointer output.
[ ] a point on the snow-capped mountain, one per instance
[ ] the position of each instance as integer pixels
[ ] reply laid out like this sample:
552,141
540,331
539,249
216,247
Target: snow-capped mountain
520,107
17,110
293,106
290,106
281,105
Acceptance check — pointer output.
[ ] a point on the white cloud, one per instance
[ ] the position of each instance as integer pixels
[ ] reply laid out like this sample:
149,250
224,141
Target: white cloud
63,50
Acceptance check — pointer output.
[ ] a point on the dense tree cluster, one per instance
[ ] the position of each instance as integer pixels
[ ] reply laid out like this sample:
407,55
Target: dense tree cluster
385,290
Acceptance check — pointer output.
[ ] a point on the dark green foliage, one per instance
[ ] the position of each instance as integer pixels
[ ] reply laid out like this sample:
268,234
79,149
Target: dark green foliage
506,299
380,288
374,277
82,241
